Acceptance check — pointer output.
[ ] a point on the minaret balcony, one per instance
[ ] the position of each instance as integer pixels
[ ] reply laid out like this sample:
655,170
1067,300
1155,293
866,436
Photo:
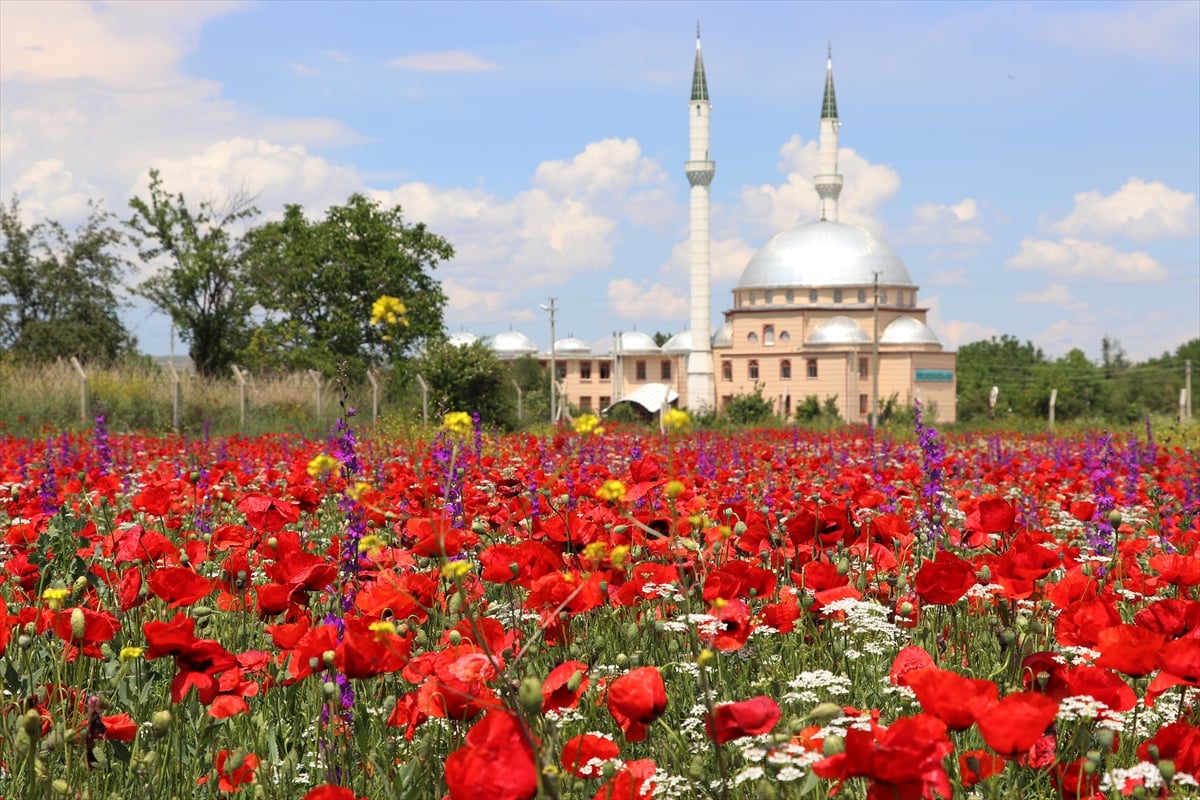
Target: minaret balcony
699,173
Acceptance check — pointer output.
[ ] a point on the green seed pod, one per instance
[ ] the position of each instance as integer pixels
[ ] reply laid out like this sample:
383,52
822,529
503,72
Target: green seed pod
530,695
78,623
575,681
160,722
1166,768
454,638
31,723
833,745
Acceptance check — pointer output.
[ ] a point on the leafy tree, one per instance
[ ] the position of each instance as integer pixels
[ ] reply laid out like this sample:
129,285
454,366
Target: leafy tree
202,286
58,290
317,280
661,338
1005,363
749,409
534,380
469,378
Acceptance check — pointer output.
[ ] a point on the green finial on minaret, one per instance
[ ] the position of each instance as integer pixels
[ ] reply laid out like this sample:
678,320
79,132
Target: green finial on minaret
829,103
699,84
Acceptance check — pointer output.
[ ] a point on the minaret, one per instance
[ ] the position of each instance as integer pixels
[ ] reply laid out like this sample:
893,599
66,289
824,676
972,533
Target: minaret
829,182
701,381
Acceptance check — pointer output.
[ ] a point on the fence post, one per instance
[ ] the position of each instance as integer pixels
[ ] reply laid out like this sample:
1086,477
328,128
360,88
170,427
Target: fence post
520,402
1183,406
374,396
1053,400
176,399
424,399
241,379
316,379
82,388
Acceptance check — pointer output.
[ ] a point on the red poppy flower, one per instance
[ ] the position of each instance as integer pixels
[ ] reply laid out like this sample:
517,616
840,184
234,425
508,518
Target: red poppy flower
944,580
1074,781
977,765
1179,742
179,586
557,693
86,629
739,579
232,779
1013,725
119,728
751,717
495,763
635,700
733,626
267,514
1080,623
909,658
1130,649
955,700
584,755
634,781
904,760
1103,685
330,792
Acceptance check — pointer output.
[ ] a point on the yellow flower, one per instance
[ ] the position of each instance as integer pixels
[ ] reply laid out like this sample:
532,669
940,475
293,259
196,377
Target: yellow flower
595,551
371,544
356,491
455,570
613,491
588,423
54,597
705,657
323,465
619,555
130,653
388,310
382,629
674,489
676,419
458,423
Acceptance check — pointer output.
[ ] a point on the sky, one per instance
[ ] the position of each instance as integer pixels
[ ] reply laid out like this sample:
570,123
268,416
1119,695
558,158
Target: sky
1036,165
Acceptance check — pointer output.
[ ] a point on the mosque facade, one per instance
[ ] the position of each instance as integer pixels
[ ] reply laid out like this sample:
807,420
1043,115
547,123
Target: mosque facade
825,309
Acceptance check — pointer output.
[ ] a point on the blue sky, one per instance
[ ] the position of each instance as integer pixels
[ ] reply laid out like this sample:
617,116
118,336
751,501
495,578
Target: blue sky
1036,165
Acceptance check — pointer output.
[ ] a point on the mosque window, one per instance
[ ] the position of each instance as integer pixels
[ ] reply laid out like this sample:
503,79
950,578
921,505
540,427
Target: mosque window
752,337
640,370
811,367
752,370
791,296
769,297
862,295
785,337
812,295
585,403
768,335
605,401
864,403
864,367
665,370
785,370
561,370
605,370
726,370
883,296
753,298
837,295
585,370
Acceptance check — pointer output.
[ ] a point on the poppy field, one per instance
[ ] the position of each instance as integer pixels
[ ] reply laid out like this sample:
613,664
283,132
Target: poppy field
599,614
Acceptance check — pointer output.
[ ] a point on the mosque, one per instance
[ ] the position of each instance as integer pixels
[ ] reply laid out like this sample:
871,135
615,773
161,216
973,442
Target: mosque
825,309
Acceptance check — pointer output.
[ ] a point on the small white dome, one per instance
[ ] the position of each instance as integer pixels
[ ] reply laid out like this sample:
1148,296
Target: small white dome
838,330
571,346
462,339
638,342
679,344
511,344
908,330
723,336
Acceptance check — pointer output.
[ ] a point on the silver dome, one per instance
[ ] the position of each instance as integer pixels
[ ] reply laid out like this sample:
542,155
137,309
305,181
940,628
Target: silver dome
571,346
838,330
511,344
679,344
723,336
908,330
462,339
824,254
638,342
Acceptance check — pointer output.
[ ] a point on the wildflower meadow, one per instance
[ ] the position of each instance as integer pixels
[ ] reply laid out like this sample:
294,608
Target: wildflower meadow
598,613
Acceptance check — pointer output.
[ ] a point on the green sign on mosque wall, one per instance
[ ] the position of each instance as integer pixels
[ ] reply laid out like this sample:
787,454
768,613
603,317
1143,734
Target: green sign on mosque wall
935,375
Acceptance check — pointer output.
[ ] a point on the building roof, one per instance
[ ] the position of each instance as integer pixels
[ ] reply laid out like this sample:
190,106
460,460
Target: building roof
838,330
650,396
638,342
571,346
511,344
699,83
679,343
829,101
824,253
723,336
462,338
908,330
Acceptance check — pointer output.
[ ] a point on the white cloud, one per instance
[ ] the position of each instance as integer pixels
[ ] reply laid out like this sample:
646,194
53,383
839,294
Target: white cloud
774,208
1163,31
1056,294
1073,257
632,300
446,61
303,70
954,333
51,191
959,224
1139,209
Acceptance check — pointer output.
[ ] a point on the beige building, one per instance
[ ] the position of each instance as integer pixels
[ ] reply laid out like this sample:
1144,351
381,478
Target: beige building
825,309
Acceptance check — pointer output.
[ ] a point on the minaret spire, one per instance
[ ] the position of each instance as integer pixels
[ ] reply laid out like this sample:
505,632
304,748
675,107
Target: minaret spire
701,380
829,182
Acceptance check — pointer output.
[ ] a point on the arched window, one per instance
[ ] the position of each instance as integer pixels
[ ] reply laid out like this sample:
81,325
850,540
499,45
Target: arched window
785,370
862,295
752,337
811,366
812,295
752,370
791,296
770,297
726,370
785,337
768,335
837,295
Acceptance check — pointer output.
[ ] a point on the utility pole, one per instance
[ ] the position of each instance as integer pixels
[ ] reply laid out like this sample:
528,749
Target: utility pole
552,308
875,371
1187,385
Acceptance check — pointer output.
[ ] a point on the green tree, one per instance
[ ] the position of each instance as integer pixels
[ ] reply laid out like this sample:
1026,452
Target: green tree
202,284
469,378
58,290
749,409
1005,363
317,280
534,380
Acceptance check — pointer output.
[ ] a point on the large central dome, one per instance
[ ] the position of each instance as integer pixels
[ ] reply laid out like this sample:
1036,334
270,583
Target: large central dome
824,254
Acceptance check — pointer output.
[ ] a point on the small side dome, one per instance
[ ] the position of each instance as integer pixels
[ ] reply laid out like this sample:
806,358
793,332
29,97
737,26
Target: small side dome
513,344
723,336
571,346
462,339
679,344
638,342
908,330
838,330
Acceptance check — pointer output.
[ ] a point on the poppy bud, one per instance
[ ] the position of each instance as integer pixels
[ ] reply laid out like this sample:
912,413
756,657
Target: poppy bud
454,638
31,723
329,688
327,658
622,659
833,745
1114,518
1105,738
477,526
530,695
984,575
905,609
60,786
825,712
78,623
766,790
574,681
843,566
161,721
1166,768
24,642
696,768
272,542
79,585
